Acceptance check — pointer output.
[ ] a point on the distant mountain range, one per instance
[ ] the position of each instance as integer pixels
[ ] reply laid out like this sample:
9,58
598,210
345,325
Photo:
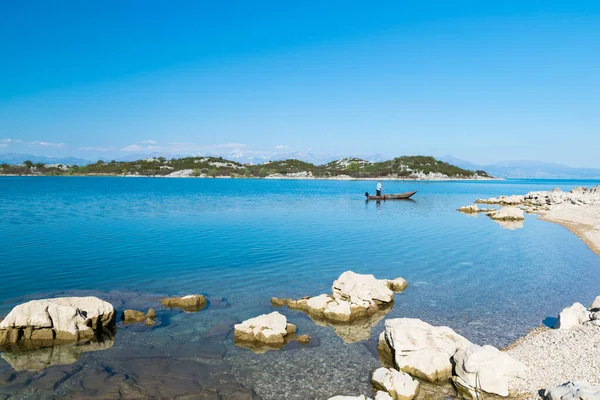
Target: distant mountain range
18,158
313,158
528,169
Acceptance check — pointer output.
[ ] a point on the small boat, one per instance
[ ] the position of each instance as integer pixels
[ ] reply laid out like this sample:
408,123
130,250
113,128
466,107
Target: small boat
398,196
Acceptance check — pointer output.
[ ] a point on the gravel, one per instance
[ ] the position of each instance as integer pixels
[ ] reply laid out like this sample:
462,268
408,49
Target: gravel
556,356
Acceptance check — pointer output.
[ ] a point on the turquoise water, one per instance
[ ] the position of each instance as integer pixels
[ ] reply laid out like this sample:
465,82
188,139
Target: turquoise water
244,241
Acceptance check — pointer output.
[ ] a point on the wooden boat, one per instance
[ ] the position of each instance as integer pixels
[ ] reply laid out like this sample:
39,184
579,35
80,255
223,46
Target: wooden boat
398,196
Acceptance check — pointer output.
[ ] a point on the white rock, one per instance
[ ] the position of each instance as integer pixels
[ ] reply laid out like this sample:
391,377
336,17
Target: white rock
267,328
572,316
65,315
361,289
420,349
399,385
507,214
595,304
397,285
485,368
381,395
573,391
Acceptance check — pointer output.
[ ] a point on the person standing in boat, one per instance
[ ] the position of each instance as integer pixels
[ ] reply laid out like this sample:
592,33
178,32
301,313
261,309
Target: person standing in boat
379,188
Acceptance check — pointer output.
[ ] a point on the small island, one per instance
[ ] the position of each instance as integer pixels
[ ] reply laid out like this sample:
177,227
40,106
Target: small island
400,168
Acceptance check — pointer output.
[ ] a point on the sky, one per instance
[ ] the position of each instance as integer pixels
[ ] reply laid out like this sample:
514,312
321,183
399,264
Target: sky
484,81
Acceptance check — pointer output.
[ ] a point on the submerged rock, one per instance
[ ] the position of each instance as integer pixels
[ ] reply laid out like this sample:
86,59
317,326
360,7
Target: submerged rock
133,316
398,385
419,349
303,339
268,329
42,323
130,316
189,303
573,391
485,368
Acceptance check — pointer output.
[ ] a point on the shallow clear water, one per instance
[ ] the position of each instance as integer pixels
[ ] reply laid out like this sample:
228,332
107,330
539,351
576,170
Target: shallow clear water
249,240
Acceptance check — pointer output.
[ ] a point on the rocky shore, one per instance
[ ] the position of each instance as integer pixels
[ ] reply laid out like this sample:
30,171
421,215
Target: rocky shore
577,210
416,359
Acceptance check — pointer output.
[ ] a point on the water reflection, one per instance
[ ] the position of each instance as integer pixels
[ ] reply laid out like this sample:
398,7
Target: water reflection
40,359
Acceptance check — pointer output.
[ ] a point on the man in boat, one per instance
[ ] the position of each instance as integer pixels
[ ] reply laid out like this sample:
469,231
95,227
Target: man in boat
379,188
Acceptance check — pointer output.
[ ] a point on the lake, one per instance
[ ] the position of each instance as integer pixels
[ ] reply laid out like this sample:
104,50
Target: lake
242,241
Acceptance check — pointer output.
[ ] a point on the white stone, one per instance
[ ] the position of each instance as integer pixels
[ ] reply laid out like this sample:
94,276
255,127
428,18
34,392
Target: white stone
572,316
486,368
507,214
381,395
595,306
266,328
573,391
397,285
65,314
420,349
399,385
361,289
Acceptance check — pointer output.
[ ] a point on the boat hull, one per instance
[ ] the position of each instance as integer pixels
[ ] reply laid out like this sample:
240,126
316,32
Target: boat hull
398,196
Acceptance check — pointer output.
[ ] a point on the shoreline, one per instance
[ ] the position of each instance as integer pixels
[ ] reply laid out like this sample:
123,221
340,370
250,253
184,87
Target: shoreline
578,229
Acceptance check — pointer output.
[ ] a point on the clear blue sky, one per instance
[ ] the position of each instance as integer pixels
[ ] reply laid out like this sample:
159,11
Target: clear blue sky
480,80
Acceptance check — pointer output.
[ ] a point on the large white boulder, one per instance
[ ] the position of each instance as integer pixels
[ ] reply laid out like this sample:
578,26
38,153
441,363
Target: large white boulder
595,306
573,391
420,349
572,316
361,289
269,329
399,385
61,319
485,368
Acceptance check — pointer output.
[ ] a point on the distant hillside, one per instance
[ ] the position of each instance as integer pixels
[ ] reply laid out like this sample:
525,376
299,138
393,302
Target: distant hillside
406,167
529,169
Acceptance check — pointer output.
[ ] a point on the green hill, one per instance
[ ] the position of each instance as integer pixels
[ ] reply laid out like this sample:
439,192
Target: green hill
405,167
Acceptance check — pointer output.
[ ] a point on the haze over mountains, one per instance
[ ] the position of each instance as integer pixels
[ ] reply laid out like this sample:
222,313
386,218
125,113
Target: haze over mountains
504,169
528,169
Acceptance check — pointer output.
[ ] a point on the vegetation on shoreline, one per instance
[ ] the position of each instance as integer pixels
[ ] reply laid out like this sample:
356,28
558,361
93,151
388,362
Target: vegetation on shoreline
400,167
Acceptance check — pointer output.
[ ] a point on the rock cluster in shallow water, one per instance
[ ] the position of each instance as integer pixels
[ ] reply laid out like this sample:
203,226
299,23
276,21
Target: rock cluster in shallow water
354,296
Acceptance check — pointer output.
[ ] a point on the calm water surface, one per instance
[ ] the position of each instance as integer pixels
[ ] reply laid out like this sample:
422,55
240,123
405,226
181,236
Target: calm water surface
240,242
